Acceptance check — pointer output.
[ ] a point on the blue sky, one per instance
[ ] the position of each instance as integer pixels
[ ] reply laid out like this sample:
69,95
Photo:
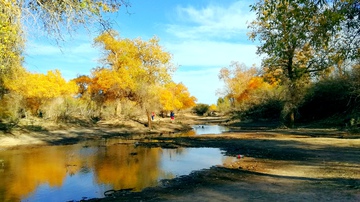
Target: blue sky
203,36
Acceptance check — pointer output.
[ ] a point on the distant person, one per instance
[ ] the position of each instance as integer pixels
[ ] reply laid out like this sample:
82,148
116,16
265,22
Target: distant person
172,116
152,115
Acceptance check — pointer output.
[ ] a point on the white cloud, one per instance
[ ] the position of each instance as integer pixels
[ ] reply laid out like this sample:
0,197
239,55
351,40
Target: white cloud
38,48
206,39
212,21
212,53
72,59
34,49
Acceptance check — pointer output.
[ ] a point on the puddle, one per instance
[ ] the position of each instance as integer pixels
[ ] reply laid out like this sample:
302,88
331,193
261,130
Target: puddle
209,129
87,170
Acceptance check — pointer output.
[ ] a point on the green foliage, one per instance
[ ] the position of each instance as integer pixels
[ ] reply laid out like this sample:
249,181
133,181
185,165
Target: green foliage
355,80
201,109
11,107
268,109
302,39
327,98
333,102
11,111
224,105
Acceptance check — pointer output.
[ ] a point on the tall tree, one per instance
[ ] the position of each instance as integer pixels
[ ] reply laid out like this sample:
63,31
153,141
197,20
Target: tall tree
11,41
140,65
346,42
294,38
240,83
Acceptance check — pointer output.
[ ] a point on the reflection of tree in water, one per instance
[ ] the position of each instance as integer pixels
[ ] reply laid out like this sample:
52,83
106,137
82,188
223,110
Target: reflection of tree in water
85,169
171,153
126,166
189,133
31,167
174,152
119,165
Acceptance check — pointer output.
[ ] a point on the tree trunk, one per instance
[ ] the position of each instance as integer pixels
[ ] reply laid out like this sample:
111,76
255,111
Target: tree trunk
291,118
292,105
149,119
117,108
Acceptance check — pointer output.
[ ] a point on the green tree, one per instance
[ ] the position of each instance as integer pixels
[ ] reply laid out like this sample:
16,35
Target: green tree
346,42
294,38
201,109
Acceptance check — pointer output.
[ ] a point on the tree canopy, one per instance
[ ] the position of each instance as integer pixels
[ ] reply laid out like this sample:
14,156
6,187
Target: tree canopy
52,16
299,39
133,70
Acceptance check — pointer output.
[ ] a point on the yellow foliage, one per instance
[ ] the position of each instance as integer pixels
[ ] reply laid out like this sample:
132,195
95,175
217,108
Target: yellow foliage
83,83
176,97
136,61
43,86
11,41
34,169
140,71
241,82
38,88
126,171
213,107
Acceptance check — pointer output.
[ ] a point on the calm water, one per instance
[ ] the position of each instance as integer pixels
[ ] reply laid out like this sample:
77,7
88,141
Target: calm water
209,129
87,170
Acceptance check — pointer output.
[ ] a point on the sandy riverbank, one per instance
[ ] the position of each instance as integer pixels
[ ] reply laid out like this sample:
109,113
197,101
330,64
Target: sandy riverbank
278,164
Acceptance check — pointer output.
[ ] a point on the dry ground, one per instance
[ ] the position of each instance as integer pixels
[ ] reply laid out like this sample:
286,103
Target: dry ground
279,164
42,132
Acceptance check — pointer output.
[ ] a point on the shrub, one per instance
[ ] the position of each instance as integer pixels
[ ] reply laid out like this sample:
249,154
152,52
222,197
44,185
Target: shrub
326,99
268,109
201,109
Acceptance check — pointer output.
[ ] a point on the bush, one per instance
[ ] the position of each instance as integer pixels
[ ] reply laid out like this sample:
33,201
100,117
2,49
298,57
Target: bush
269,109
325,99
224,105
201,109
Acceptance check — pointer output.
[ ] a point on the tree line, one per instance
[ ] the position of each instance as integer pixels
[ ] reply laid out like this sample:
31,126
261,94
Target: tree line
310,63
309,48
134,76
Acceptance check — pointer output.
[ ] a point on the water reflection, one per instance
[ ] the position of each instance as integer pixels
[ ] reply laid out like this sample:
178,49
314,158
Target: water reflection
74,172
209,129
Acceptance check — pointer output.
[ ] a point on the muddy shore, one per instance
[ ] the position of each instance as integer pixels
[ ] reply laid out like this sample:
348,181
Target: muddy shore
38,132
276,164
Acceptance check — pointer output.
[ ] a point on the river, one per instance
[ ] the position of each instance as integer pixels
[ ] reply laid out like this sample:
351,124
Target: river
88,169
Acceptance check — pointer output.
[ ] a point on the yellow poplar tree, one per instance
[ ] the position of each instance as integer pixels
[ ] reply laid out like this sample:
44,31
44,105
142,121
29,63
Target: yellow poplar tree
243,85
140,66
54,17
176,97
39,88
11,40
